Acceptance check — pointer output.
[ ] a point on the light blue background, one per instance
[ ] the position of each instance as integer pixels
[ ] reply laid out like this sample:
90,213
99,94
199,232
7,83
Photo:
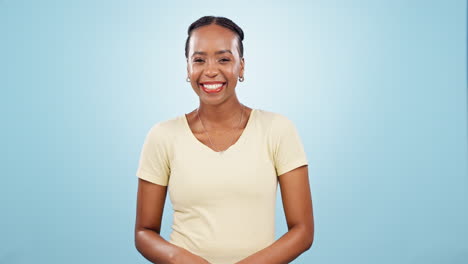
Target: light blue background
377,90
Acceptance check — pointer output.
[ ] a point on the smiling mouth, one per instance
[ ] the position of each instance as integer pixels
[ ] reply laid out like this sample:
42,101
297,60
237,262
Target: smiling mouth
212,88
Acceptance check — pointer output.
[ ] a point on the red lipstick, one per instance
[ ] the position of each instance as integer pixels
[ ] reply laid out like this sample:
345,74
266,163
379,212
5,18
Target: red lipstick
211,89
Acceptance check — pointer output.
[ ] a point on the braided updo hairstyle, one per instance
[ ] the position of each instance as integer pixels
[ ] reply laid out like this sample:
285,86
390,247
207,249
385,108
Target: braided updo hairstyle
221,21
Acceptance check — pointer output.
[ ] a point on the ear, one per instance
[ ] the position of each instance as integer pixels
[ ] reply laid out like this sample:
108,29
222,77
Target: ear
242,64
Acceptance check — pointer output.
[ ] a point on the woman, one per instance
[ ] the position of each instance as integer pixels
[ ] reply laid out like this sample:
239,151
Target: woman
221,164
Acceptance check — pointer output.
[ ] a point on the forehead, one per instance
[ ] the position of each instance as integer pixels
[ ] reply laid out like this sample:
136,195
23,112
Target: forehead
212,38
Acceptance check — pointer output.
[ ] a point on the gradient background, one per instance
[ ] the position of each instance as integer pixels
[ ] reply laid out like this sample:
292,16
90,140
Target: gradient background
377,90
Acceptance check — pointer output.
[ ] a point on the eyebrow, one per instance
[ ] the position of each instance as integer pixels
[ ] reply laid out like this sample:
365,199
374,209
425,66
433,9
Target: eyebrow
217,52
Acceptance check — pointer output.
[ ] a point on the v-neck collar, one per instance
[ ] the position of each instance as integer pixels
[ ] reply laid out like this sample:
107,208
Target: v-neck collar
230,148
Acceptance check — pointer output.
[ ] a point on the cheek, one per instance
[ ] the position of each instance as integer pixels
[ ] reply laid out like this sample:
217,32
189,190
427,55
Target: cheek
194,69
229,69
195,75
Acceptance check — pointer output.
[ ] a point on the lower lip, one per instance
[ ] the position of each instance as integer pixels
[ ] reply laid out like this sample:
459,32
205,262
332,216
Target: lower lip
213,91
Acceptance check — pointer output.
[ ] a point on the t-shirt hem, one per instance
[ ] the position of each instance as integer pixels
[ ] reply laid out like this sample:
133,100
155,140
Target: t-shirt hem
290,166
149,177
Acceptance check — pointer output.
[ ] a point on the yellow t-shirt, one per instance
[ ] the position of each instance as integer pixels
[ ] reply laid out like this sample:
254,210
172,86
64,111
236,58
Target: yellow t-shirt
224,204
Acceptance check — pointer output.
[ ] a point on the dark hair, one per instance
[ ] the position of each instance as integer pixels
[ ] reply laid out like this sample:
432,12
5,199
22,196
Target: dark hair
221,21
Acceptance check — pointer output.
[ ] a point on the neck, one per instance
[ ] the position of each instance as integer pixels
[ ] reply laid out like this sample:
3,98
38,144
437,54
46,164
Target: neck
221,116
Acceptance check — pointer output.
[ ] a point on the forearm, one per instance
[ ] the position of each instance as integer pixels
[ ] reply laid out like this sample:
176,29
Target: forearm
284,250
155,248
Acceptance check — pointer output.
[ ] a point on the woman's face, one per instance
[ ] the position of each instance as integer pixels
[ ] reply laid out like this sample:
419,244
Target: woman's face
213,63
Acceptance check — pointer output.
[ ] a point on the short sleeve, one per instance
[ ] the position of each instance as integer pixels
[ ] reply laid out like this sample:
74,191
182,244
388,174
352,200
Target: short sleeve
154,161
289,151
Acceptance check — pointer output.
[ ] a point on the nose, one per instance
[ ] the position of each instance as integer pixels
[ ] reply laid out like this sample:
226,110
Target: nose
211,69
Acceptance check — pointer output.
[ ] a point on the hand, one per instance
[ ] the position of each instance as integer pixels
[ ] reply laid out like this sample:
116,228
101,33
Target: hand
184,256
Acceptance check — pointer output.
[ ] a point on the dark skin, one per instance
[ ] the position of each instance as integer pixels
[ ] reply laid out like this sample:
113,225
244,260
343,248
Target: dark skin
220,114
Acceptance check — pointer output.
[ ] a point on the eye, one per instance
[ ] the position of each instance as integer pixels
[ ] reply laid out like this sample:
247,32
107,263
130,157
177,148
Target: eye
198,60
225,60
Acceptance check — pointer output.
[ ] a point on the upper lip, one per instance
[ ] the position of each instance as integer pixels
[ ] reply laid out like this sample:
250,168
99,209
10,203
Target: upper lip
212,82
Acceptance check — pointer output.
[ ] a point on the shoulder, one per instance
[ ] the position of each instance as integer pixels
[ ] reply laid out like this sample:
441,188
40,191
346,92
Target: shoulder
165,128
276,121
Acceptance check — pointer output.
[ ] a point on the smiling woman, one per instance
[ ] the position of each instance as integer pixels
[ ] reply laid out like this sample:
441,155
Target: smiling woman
214,61
221,164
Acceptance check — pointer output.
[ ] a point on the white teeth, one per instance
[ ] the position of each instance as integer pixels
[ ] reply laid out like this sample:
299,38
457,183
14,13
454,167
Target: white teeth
212,86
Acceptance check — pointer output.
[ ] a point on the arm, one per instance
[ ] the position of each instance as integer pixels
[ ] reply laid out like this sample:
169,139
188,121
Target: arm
148,241
150,204
297,203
